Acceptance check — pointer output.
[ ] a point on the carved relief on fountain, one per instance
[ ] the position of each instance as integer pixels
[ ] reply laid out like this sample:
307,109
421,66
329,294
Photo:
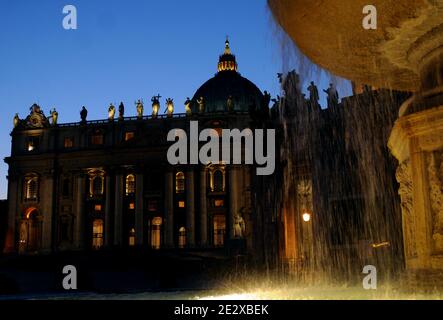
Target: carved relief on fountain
404,178
435,174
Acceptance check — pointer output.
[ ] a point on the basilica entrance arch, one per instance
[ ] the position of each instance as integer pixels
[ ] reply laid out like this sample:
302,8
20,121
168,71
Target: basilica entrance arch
30,231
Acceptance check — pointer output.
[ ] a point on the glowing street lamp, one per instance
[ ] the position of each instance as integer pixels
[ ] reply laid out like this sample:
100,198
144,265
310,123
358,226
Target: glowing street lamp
306,217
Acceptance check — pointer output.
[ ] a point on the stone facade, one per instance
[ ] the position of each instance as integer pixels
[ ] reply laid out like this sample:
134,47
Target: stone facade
91,185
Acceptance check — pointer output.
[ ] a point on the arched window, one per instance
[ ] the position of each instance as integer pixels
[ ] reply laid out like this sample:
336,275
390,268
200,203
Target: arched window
31,188
97,234
218,181
182,237
180,182
97,186
130,184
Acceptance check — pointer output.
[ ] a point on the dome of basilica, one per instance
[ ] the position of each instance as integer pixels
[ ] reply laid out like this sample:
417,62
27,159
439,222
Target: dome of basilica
227,90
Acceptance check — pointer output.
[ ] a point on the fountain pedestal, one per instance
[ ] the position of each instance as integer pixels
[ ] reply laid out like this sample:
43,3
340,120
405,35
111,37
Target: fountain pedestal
417,143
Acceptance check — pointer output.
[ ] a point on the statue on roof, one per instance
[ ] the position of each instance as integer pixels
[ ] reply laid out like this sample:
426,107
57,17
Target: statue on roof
121,111
16,120
188,106
111,112
83,114
139,106
169,107
155,105
313,94
332,95
54,117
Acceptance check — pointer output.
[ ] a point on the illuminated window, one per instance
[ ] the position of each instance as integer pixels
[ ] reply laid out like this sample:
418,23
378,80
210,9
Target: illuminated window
156,233
219,203
218,181
96,187
131,206
132,237
98,207
130,184
129,135
180,182
97,234
31,185
68,142
32,143
97,139
182,237
181,204
219,230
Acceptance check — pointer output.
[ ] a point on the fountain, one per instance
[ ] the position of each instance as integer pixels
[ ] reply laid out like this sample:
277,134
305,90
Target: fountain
405,53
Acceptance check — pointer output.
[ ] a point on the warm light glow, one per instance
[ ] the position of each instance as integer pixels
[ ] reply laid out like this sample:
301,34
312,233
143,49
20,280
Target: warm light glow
306,217
98,207
181,204
381,244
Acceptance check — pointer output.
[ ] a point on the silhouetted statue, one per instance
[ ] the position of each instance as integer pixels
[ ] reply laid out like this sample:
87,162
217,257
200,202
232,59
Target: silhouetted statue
139,106
201,104
266,99
230,104
169,107
332,96
121,111
16,120
111,112
313,94
54,117
84,114
188,109
155,105
276,100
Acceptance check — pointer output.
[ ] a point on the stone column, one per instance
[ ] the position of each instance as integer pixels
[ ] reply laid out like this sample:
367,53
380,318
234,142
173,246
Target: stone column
190,208
79,235
118,213
203,209
46,194
108,211
139,220
233,199
169,210
13,194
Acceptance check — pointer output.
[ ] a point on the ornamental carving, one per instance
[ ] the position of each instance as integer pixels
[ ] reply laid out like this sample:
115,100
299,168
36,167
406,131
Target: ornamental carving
36,118
304,194
435,173
404,178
